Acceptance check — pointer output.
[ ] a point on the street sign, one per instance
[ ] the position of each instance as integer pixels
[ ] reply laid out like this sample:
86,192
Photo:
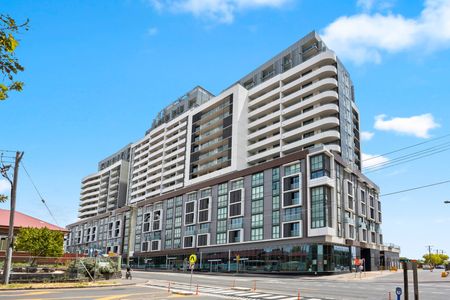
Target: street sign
357,262
193,258
398,291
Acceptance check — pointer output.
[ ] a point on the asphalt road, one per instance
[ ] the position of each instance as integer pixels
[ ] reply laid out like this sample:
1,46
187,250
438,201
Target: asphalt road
153,285
431,285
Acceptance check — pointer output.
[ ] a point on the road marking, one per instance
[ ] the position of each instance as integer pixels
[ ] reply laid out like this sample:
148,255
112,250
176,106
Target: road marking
37,293
261,295
276,297
122,296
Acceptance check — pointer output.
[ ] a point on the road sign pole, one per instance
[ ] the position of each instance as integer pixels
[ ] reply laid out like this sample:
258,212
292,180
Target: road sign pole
405,279
190,281
416,281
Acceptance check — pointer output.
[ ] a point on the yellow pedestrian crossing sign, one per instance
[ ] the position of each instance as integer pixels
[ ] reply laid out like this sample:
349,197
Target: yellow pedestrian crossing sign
193,258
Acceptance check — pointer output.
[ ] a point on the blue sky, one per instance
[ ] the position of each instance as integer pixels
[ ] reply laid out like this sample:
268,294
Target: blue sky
97,72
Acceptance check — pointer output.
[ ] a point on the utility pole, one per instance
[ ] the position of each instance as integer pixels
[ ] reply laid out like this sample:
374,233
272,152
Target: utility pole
9,250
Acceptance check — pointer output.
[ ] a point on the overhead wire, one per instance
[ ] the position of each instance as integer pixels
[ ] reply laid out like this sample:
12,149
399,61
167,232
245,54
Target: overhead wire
39,193
408,147
415,188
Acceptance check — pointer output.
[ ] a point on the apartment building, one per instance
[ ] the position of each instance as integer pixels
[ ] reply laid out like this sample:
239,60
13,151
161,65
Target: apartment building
264,177
106,189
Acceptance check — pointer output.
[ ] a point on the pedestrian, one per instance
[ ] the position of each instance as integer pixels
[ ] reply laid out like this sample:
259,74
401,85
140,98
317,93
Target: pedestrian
128,273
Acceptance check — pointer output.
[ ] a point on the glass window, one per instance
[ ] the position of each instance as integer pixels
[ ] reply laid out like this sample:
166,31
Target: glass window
257,206
223,188
276,217
276,232
318,207
256,234
257,220
222,226
275,202
205,193
258,179
275,174
292,169
320,166
221,238
222,200
192,196
238,184
222,213
257,192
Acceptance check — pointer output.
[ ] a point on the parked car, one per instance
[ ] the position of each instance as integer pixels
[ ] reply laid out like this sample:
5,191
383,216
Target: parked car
440,267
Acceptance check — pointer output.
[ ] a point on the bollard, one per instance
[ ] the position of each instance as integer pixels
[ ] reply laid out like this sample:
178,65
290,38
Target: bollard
390,296
254,285
168,288
196,291
298,294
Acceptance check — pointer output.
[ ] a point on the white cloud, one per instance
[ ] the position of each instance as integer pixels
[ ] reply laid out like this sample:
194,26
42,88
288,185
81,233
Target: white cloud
365,37
4,186
373,160
222,11
366,135
152,31
418,126
365,4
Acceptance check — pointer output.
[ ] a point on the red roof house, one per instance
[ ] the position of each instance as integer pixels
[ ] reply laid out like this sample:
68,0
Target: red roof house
23,220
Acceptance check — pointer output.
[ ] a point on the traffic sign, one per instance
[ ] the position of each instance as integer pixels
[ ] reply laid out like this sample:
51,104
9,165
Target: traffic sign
193,258
398,291
357,262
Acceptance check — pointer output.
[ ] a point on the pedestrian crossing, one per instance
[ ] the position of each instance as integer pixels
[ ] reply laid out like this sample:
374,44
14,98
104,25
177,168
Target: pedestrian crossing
230,293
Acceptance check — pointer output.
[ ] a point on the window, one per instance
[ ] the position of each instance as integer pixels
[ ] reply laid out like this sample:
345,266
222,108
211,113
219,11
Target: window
235,236
237,184
275,174
223,189
177,233
157,220
221,238
276,217
257,192
291,229
257,220
145,246
351,230
205,193
168,244
177,221
204,214
222,226
110,230
373,237
222,213
203,240
156,245
291,199
188,241
258,179
292,214
318,207
169,213
256,234
117,229
222,200
320,166
192,196
276,232
146,226
257,206
178,211
275,202
291,183
189,215
364,237
292,169
236,207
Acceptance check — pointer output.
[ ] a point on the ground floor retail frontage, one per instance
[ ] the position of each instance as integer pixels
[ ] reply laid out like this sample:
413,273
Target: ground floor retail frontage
289,258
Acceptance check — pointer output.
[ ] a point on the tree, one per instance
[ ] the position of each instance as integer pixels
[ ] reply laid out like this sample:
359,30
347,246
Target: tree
3,198
9,64
435,259
40,241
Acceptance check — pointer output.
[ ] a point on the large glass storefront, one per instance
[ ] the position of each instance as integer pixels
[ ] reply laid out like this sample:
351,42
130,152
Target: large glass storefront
304,258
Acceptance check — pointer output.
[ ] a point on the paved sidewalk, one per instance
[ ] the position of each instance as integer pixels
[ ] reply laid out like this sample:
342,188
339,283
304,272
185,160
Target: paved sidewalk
358,276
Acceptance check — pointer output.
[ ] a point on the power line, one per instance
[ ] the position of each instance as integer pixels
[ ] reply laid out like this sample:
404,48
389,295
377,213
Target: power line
444,146
13,151
405,161
39,194
407,147
416,188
